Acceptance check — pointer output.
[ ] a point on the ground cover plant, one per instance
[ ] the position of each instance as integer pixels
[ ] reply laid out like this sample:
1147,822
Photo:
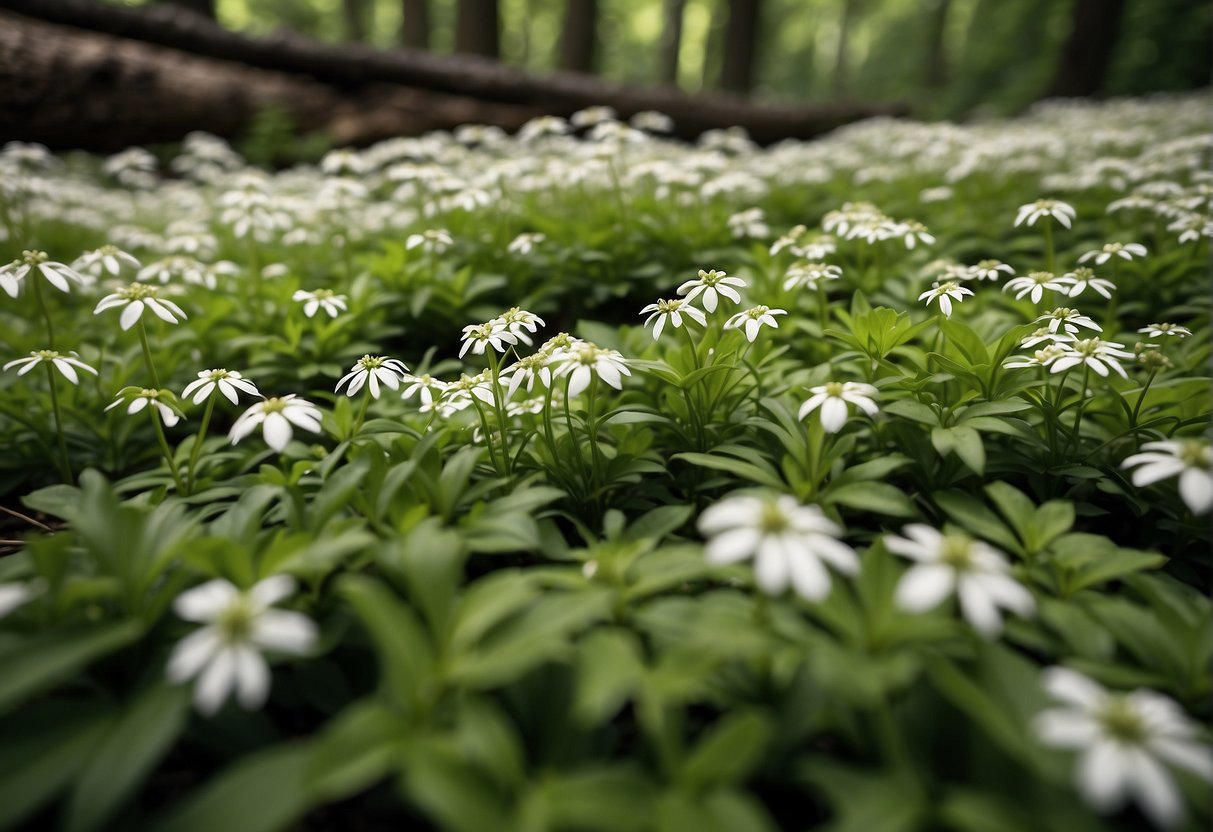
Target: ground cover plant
587,480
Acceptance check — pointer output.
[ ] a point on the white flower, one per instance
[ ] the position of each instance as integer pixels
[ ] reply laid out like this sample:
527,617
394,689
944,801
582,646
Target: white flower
794,235
787,541
1040,358
519,322
528,369
1124,744
591,116
1082,278
325,299
59,275
1047,335
225,655
1067,319
459,394
1034,284
227,382
135,298
833,399
525,243
955,563
373,369
425,387
803,273
750,223
652,121
431,241
1158,330
711,284
276,415
990,270
138,398
1126,251
672,310
912,233
1190,459
495,333
13,596
1056,209
1094,353
753,319
586,360
107,259
65,364
945,293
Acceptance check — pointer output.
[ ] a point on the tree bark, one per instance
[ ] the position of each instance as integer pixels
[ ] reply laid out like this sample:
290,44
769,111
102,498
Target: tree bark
1083,64
477,28
353,14
415,24
579,36
851,10
474,89
740,38
671,40
937,59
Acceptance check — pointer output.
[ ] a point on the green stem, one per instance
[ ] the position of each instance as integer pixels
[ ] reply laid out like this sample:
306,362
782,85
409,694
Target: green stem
206,421
1141,399
366,403
147,355
499,406
823,306
568,421
67,463
36,279
168,455
1078,409
1050,260
488,435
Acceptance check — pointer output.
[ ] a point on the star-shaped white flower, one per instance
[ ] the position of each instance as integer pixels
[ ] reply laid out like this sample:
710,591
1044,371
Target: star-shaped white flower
712,285
136,297
371,371
1189,459
277,415
833,398
671,310
65,364
227,382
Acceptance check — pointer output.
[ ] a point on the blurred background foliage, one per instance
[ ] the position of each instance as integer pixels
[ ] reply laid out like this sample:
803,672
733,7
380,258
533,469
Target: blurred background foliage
945,58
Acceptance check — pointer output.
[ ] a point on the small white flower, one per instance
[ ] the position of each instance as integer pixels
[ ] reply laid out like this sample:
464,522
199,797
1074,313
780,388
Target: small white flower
139,398
585,361
990,270
1040,358
790,543
460,394
750,223
751,320
1160,330
1094,353
1189,459
652,121
1067,319
833,399
525,243
276,416
591,116
711,284
136,297
1034,285
13,596
495,333
1126,251
673,310
59,275
227,382
370,370
325,299
1083,278
1125,743
1047,335
105,260
955,563
425,387
531,368
519,322
431,241
912,233
1060,211
804,273
945,293
65,364
225,655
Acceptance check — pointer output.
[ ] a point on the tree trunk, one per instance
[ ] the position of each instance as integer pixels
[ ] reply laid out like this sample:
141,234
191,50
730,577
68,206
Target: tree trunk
937,59
476,28
580,35
202,7
714,46
1083,64
741,35
671,40
353,13
851,10
415,24
459,89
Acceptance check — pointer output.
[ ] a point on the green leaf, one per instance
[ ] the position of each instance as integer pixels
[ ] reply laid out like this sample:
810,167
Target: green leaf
453,793
613,799
356,749
912,410
405,655
965,442
41,661
976,518
609,667
877,497
128,752
753,472
729,750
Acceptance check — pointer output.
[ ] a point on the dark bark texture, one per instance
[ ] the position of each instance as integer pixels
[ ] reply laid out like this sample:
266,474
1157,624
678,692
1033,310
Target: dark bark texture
415,24
1086,55
740,40
75,73
579,38
477,29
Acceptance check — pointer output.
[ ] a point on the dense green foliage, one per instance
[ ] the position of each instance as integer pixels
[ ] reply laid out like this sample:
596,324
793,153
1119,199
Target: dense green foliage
516,626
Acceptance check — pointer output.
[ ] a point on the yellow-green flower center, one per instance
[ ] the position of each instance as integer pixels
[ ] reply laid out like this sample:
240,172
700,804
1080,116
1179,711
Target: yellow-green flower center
956,550
1121,721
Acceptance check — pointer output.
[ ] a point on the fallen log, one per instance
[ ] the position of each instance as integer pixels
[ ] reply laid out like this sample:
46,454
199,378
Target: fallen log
354,67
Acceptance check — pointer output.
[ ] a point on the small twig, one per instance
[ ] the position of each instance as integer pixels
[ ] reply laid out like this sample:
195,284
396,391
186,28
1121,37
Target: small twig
26,518
12,542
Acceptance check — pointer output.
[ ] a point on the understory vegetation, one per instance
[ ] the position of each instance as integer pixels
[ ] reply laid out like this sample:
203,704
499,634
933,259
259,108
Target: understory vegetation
587,480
